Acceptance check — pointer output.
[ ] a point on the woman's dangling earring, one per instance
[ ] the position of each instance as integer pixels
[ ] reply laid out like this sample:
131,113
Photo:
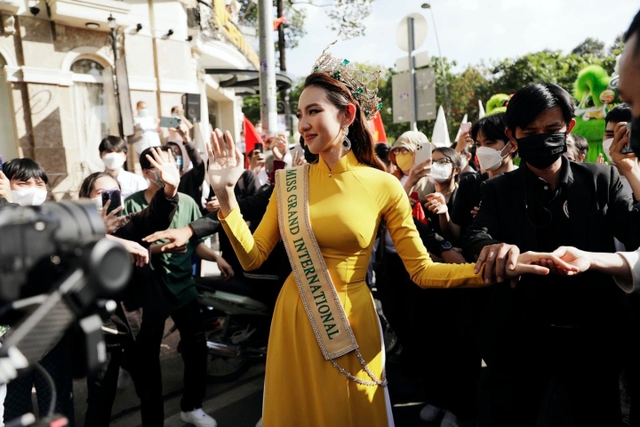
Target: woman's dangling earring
347,142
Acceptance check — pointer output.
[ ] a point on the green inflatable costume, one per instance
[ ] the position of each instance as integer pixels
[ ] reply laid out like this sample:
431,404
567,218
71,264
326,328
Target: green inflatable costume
595,91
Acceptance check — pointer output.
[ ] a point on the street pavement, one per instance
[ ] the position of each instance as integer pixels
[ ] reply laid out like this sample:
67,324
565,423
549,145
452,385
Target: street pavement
233,404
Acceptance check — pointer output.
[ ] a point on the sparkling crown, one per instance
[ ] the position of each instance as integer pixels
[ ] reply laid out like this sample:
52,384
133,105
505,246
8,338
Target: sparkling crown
362,84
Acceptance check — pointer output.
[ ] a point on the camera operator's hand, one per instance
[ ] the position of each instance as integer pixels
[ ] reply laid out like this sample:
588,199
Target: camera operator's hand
623,162
183,131
436,203
112,221
212,205
464,141
177,237
298,159
5,187
167,169
279,147
416,173
139,254
9,365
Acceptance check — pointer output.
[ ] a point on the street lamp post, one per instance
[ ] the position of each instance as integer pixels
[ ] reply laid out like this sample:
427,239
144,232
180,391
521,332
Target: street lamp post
112,27
444,74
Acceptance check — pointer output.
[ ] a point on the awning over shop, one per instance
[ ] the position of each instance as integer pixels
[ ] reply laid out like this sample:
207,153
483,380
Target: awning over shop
247,82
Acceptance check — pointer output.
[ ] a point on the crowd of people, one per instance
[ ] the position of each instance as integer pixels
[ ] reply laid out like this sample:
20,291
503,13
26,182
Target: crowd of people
505,249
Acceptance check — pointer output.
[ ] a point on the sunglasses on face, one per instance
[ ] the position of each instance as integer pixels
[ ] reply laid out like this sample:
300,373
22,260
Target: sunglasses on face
443,161
400,150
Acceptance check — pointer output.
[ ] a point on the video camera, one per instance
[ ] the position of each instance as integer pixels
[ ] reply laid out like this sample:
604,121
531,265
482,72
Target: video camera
55,257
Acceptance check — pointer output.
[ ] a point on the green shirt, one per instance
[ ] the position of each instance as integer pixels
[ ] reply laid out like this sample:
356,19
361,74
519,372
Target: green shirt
175,270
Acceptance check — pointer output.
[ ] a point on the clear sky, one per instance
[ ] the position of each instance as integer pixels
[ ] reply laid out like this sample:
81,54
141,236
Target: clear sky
469,30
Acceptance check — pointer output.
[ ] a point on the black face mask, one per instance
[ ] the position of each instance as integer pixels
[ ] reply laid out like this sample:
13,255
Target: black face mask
634,139
542,150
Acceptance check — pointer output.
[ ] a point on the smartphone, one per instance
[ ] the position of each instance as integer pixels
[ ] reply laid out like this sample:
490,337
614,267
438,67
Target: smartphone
423,152
170,122
465,127
0,163
297,148
627,147
116,200
259,146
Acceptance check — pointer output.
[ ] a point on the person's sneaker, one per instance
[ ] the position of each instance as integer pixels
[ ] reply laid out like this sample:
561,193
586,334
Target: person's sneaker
449,420
430,413
198,418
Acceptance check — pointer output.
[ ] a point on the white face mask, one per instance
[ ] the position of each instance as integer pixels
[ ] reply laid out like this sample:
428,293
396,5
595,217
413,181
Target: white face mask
144,112
606,146
113,161
463,162
98,202
489,158
440,173
31,196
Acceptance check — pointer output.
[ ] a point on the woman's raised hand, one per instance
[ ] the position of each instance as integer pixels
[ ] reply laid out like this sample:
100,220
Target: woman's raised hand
166,166
225,161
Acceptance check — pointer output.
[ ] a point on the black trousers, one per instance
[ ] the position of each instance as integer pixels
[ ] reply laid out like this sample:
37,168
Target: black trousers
443,349
58,364
143,360
188,320
555,377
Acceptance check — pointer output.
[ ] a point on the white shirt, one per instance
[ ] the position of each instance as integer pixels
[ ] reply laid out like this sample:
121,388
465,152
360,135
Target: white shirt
633,259
130,183
150,137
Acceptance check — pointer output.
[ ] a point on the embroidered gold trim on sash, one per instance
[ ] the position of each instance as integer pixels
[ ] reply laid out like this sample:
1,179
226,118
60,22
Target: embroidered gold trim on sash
319,296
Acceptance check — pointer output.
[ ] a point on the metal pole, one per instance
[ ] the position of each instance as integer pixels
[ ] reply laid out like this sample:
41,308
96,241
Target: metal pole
284,93
116,90
447,103
268,107
412,76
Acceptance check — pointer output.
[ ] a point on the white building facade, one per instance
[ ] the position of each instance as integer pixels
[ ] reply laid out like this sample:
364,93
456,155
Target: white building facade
57,90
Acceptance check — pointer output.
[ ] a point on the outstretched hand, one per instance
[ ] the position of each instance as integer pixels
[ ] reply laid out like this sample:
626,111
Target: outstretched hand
177,237
225,161
579,260
503,261
541,263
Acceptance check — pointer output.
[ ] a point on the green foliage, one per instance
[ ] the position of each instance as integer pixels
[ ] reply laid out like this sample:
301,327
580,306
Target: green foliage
480,82
251,108
590,47
618,46
347,17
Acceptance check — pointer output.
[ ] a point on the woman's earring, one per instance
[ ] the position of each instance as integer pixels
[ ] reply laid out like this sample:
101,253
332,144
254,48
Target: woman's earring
347,142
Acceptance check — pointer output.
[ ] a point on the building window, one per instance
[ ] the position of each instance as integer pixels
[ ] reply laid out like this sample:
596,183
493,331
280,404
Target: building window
92,118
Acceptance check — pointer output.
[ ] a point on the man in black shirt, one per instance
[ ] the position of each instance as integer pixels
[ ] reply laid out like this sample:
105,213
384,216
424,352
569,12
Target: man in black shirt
551,343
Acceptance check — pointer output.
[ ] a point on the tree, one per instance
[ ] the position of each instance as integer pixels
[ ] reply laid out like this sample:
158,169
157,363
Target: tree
618,45
347,17
590,46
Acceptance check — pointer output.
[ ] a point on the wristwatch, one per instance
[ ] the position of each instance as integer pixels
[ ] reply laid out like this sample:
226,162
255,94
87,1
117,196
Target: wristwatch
446,245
